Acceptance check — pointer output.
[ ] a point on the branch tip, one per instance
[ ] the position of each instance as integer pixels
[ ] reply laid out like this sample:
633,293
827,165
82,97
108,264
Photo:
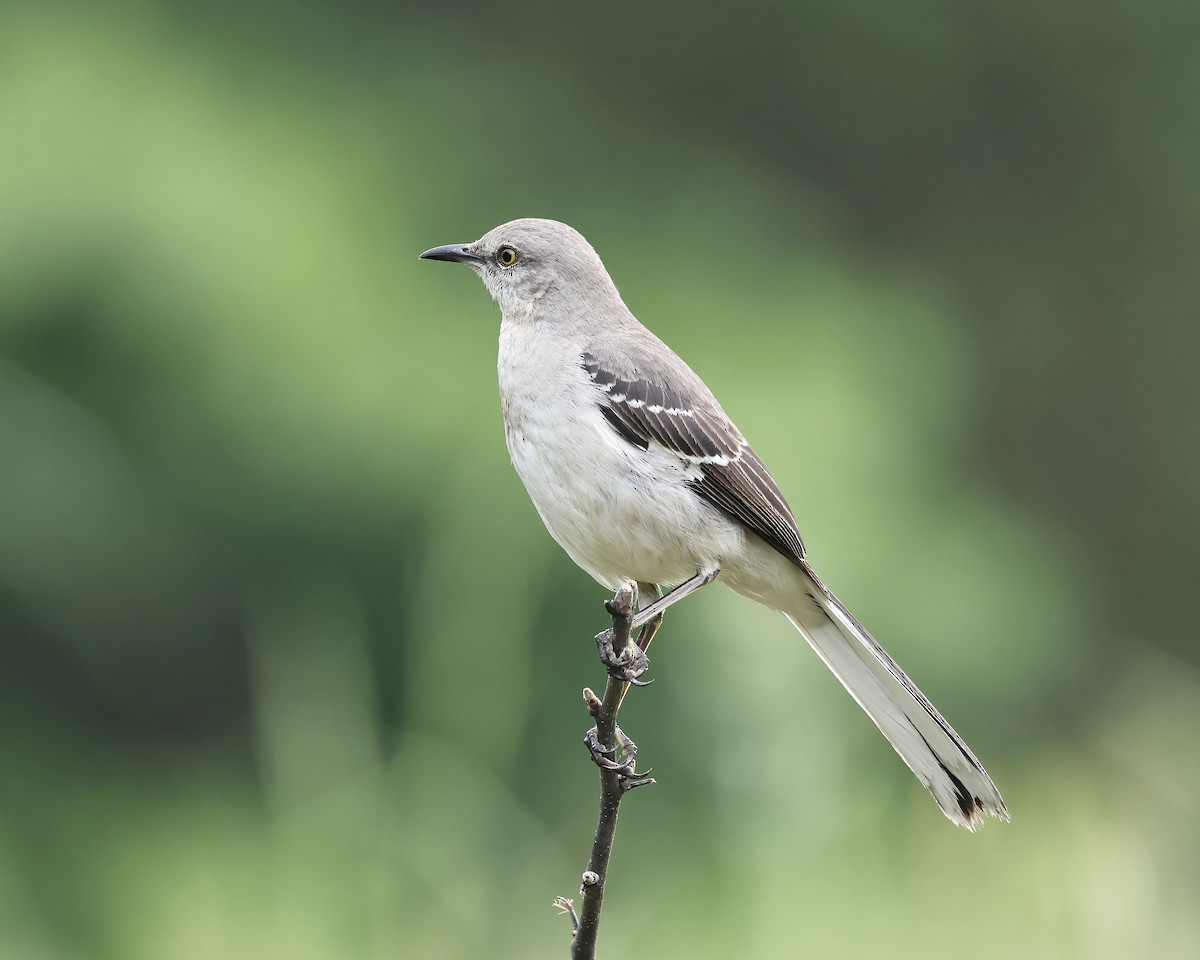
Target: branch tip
567,906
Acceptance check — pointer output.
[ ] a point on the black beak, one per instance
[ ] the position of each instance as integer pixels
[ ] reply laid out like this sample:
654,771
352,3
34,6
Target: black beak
454,252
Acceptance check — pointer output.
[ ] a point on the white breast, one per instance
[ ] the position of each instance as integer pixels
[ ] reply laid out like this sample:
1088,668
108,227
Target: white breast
620,512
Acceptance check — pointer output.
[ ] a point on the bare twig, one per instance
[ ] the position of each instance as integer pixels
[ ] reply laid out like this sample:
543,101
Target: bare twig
614,753
567,905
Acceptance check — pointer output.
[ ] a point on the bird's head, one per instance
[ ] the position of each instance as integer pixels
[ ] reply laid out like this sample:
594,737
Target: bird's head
524,261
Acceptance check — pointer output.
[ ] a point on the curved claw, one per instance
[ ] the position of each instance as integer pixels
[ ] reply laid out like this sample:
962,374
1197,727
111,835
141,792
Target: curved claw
600,753
629,665
633,776
626,664
621,769
625,769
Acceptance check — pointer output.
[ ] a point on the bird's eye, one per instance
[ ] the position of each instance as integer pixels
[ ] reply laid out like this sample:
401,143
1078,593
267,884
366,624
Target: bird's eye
506,256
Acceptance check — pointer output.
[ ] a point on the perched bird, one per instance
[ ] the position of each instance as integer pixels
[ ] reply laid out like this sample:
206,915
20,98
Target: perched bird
639,474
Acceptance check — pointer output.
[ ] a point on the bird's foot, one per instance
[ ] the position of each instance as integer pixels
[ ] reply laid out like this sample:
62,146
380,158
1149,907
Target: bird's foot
625,768
626,664
622,658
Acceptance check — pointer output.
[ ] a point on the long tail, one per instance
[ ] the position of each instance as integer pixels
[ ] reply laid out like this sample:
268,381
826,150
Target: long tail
912,725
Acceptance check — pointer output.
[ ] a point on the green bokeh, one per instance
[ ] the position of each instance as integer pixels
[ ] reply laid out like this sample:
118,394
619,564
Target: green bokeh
288,666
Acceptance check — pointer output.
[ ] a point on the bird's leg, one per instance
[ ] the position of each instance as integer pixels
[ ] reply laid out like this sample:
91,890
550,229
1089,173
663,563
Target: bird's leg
626,660
648,632
650,627
650,622
655,609
621,656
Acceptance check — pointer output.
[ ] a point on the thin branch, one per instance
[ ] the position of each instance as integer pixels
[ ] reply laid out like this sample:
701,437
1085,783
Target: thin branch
625,661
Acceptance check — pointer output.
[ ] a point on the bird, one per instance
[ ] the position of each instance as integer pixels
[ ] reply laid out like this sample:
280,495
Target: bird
640,475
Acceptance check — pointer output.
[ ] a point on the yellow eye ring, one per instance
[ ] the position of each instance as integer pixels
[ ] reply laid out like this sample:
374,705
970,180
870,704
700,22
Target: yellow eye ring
506,256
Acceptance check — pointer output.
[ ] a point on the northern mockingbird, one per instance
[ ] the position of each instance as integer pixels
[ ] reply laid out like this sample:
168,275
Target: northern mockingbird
639,474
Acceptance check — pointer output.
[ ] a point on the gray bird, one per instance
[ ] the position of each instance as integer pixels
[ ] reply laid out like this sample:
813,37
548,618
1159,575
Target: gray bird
639,474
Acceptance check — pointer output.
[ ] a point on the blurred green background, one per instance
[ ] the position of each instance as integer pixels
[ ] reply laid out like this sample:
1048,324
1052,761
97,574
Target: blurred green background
289,667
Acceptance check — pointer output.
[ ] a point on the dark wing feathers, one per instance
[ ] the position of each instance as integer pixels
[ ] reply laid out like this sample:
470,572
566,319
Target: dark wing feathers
624,429
732,478
746,491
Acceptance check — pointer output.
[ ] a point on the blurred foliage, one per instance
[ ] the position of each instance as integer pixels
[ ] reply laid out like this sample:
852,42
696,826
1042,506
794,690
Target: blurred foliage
288,666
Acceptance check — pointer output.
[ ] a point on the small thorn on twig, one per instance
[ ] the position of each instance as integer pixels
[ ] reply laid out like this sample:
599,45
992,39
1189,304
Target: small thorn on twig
592,702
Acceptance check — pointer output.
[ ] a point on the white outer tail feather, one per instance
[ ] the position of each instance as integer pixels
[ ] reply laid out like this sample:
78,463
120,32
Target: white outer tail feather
925,741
